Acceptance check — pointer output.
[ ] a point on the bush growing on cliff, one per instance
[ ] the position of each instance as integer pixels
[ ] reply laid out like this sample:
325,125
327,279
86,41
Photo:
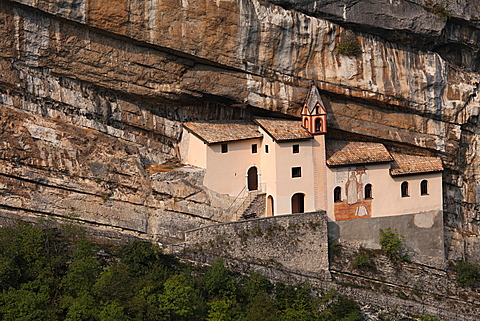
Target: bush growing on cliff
349,48
363,260
393,244
468,274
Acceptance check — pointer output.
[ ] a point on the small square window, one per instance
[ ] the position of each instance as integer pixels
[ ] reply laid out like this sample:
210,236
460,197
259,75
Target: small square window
296,149
296,172
254,148
224,148
266,149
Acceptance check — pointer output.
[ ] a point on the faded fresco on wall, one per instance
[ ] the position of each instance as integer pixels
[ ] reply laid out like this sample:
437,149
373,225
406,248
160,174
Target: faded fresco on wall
353,204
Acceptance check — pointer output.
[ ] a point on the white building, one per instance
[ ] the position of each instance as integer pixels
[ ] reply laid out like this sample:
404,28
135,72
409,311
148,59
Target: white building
298,171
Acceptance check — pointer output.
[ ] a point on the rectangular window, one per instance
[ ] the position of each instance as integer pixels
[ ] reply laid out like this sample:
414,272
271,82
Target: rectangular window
296,149
254,148
266,149
296,172
224,148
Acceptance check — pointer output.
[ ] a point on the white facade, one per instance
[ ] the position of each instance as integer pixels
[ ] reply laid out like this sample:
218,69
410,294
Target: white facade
386,192
298,167
287,160
277,166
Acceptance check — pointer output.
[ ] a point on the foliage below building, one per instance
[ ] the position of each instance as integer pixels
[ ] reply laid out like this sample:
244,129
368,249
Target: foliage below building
50,274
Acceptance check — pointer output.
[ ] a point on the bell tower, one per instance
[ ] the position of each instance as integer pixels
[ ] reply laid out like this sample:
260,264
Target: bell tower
314,115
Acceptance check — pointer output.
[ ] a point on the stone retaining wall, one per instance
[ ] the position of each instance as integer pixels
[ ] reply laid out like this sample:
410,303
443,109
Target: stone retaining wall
296,242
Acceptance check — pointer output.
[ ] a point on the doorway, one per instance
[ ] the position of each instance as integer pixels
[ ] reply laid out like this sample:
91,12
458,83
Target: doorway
298,203
252,179
270,205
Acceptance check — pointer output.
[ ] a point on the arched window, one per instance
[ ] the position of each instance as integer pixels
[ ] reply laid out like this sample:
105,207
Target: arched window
368,191
305,123
298,203
337,194
424,187
404,188
318,125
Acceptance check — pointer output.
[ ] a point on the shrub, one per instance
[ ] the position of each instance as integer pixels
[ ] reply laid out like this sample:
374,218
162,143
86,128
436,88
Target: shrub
468,274
349,48
393,244
363,261
441,11
334,249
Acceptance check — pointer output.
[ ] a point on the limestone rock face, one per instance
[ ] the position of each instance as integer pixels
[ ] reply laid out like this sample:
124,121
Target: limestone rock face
132,71
56,169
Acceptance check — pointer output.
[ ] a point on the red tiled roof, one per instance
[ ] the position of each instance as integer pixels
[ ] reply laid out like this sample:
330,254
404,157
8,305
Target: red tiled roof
349,153
213,132
283,129
411,164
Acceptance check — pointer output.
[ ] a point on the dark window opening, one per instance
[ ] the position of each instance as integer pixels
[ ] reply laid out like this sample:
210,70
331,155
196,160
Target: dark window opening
296,149
318,125
296,172
266,149
404,188
424,187
224,148
337,194
254,148
368,191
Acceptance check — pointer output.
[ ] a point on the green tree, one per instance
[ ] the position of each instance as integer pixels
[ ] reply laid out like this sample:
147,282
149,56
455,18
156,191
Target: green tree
30,302
113,311
257,292
83,270
81,308
219,281
141,257
393,244
467,274
344,309
22,256
115,283
179,299
224,310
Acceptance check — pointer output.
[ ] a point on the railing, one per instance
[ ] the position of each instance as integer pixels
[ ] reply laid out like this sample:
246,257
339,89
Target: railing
243,201
177,248
238,201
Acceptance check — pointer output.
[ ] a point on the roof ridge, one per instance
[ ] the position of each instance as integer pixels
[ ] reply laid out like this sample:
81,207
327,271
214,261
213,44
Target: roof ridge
313,97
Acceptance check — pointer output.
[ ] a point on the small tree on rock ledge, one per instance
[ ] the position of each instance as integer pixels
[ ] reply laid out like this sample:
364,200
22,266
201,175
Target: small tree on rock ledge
393,244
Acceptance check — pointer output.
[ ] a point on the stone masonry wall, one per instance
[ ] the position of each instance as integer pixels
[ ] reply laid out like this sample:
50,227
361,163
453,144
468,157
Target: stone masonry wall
294,248
408,287
423,233
297,243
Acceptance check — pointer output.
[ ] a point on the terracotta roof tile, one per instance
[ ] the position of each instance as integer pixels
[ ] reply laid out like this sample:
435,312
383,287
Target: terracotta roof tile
349,153
213,132
411,164
283,129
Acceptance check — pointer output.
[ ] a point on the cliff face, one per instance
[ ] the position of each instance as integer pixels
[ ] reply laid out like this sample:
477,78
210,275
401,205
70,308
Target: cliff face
129,71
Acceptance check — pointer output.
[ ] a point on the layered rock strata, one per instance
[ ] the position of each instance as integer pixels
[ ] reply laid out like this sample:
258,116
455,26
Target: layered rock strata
133,70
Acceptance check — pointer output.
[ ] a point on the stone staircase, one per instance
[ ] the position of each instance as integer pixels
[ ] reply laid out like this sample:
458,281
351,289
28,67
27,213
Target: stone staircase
247,205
